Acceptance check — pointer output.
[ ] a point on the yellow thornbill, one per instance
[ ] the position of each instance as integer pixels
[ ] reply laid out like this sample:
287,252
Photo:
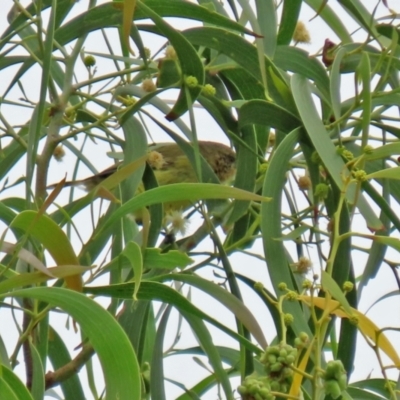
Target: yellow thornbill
170,165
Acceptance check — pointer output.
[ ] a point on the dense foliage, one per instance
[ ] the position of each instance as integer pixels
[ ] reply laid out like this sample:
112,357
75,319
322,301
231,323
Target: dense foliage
259,298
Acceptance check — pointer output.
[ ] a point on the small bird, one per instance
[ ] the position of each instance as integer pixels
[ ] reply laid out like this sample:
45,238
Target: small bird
171,165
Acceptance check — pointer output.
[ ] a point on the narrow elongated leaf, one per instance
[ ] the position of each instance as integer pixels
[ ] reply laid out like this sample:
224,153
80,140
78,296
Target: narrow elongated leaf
157,291
118,360
189,192
325,148
11,382
133,253
332,287
38,374
289,17
389,173
268,114
52,237
363,322
59,356
231,302
275,253
189,61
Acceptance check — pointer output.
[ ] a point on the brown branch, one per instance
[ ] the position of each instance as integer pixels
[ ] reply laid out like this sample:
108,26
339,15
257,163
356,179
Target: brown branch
26,348
54,378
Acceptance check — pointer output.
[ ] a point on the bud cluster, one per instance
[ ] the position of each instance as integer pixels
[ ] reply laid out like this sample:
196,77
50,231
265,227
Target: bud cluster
277,361
255,388
335,379
302,341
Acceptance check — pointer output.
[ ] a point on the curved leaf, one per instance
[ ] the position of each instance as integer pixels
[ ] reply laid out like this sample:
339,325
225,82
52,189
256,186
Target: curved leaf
118,360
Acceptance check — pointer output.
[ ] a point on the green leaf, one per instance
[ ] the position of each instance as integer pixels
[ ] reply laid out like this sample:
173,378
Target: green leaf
11,386
59,356
133,253
329,285
296,60
261,112
157,291
388,173
170,74
333,20
154,258
335,81
31,278
206,341
190,192
117,358
374,385
189,61
38,374
157,376
6,392
244,54
388,30
236,306
325,148
49,234
364,72
275,253
383,152
290,14
53,238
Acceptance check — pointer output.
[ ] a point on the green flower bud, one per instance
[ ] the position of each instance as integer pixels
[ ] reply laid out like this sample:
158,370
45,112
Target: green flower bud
298,343
307,284
321,191
292,295
288,319
89,61
342,381
360,175
284,387
282,286
348,286
264,393
290,359
272,359
147,52
332,388
303,337
276,367
315,158
287,372
191,81
368,149
275,386
348,155
170,53
242,390
253,389
283,353
272,350
209,90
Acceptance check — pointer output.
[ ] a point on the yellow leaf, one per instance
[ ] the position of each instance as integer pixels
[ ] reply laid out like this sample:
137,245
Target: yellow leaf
129,10
365,325
298,378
